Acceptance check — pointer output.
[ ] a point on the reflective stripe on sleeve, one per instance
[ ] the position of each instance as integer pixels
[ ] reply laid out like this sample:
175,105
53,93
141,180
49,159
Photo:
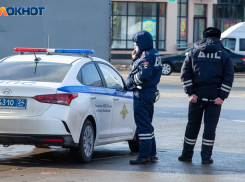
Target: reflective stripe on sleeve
136,79
188,81
226,86
187,85
225,89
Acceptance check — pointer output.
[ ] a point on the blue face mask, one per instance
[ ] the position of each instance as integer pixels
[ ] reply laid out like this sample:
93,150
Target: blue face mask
137,50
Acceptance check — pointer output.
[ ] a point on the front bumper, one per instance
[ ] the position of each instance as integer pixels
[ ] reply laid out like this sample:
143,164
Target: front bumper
12,139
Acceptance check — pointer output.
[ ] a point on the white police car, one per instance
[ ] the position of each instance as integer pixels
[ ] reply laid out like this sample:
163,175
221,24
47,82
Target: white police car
77,102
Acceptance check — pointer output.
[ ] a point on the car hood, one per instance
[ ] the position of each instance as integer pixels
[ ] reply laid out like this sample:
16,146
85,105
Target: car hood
170,56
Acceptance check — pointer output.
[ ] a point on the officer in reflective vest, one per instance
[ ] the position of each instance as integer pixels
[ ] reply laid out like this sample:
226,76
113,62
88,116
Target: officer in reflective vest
143,80
207,72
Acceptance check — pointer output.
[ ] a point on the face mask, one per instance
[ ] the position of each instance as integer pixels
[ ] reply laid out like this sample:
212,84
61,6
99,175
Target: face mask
137,50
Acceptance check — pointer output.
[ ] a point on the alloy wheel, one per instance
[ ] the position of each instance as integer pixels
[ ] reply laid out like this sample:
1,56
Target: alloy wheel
88,143
167,69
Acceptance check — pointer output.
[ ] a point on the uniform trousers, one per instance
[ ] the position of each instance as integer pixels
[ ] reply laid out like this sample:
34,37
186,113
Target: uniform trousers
211,114
143,114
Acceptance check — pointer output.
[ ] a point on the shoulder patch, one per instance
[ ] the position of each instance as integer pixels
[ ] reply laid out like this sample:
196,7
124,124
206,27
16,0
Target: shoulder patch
146,64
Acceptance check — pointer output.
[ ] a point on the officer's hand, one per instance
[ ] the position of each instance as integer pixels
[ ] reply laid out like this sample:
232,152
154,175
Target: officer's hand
193,98
218,101
133,53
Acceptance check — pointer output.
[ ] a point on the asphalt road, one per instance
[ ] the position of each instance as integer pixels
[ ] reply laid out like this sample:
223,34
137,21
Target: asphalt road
111,162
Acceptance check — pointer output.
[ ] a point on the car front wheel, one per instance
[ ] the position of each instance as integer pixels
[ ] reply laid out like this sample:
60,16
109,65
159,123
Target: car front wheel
167,69
84,152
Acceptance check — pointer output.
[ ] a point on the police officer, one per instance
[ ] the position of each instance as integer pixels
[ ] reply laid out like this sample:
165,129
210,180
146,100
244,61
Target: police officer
143,80
207,72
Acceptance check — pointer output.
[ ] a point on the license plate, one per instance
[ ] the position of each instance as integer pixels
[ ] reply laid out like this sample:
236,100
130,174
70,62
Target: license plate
13,103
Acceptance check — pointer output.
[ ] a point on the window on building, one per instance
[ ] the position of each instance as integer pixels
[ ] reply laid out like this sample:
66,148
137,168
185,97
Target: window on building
131,17
182,24
228,13
199,21
200,10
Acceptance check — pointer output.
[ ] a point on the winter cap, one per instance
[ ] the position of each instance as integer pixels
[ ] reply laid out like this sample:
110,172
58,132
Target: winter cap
211,32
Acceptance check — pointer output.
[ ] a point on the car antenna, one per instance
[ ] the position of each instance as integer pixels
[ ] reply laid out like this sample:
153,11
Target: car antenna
36,60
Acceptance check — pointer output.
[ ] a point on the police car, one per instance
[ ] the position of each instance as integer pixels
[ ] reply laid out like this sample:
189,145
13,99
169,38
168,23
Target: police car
76,102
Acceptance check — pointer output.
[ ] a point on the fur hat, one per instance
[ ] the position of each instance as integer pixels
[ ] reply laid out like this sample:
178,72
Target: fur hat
211,32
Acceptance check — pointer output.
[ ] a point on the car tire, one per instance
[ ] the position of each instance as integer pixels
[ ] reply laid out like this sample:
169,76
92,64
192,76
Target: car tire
84,152
134,145
167,68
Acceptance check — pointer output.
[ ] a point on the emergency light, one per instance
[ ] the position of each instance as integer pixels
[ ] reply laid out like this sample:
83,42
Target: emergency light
77,51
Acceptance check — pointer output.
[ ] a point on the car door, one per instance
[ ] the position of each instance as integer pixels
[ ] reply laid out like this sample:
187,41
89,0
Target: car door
100,98
122,120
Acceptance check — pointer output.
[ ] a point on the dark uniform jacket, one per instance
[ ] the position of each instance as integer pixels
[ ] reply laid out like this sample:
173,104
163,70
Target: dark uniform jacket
147,67
208,65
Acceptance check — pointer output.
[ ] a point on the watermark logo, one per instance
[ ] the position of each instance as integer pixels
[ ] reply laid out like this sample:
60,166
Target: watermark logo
15,11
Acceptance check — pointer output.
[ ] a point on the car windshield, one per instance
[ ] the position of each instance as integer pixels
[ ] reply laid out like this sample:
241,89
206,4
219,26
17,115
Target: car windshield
24,71
229,43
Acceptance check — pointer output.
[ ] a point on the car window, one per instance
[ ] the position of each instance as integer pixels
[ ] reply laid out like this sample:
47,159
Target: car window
223,41
89,75
112,79
229,43
242,44
24,71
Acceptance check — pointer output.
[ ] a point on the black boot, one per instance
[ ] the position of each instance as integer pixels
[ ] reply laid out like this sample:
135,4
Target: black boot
140,160
185,159
207,161
153,158
206,154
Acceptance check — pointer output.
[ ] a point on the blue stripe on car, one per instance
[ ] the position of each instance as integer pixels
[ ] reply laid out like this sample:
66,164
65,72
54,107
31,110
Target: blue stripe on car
97,90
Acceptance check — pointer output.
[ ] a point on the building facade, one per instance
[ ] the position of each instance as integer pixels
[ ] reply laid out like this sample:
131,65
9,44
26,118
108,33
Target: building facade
174,24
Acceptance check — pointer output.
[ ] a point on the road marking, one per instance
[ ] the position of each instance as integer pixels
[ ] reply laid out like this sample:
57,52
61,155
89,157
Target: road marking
164,112
239,121
180,114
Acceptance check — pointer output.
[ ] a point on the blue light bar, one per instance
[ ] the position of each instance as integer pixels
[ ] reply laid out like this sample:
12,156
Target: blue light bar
74,51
